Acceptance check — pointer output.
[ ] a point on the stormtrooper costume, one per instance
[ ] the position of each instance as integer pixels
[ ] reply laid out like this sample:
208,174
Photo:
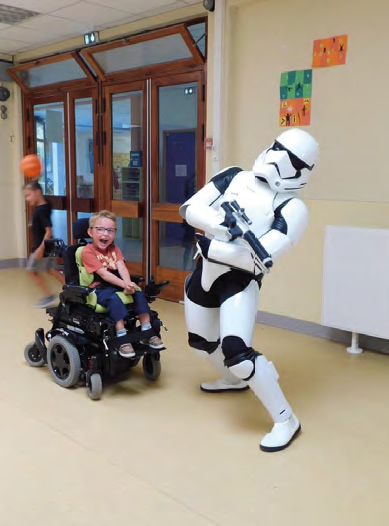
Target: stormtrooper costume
221,296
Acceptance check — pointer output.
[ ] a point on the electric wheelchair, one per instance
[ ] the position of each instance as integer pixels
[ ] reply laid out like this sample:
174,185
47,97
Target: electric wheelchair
82,347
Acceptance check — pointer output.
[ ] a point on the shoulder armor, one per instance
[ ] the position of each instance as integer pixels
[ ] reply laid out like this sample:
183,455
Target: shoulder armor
222,180
279,222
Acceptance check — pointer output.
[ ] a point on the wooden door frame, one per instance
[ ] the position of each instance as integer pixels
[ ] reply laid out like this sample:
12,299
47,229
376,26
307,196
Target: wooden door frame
58,202
81,204
101,87
126,209
165,211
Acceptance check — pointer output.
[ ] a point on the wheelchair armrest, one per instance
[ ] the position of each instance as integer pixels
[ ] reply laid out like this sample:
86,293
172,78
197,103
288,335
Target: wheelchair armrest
75,293
54,247
152,289
137,279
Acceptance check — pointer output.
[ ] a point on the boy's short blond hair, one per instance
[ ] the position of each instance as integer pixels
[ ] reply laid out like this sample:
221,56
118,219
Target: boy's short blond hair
102,214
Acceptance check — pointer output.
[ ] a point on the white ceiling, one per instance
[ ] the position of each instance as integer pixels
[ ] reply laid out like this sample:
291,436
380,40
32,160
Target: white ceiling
63,19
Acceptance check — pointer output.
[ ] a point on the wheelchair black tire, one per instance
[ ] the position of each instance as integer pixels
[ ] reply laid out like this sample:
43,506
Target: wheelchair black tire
33,356
151,366
95,386
66,368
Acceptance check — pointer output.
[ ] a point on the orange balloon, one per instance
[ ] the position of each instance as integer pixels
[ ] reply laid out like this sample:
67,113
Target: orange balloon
31,165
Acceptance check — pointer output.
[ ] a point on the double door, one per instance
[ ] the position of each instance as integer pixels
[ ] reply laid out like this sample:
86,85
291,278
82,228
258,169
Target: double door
134,148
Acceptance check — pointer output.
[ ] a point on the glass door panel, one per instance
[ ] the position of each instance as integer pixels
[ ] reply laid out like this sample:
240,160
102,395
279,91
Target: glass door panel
178,131
50,141
129,238
83,109
83,148
176,246
126,159
59,218
64,133
50,146
127,146
177,142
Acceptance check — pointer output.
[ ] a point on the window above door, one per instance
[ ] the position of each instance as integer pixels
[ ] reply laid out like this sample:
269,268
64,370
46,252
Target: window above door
169,48
68,69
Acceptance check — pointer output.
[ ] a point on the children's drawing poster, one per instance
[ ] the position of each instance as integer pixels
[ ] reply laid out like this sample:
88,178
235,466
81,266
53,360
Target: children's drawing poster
295,95
329,51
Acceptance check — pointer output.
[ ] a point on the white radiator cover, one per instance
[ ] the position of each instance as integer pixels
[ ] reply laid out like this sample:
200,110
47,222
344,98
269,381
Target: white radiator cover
356,280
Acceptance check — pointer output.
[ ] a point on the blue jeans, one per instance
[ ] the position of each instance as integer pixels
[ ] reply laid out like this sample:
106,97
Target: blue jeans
107,297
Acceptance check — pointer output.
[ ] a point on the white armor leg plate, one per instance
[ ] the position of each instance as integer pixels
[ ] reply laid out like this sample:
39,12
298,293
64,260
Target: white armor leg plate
238,313
265,385
227,380
237,318
203,321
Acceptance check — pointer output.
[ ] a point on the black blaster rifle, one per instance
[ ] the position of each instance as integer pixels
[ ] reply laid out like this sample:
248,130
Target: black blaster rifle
238,225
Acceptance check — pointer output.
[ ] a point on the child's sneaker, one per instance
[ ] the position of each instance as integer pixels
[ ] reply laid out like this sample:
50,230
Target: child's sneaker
127,351
154,342
46,302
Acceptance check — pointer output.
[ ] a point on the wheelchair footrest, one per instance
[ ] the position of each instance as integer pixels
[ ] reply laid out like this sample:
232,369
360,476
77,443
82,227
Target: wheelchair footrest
132,337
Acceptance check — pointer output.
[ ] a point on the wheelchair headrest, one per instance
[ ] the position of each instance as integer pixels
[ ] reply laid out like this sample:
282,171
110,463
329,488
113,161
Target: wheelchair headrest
80,228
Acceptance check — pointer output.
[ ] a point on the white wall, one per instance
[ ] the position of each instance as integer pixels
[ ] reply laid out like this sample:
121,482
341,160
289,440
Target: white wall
12,207
350,185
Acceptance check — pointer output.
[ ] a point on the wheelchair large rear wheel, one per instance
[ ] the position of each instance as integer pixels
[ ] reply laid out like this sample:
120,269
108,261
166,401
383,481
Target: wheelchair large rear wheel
32,355
63,360
151,366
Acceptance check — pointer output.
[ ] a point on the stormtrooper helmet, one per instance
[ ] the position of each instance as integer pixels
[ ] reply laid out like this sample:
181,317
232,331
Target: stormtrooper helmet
288,163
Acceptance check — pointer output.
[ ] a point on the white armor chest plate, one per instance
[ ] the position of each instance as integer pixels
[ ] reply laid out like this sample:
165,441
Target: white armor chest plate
257,199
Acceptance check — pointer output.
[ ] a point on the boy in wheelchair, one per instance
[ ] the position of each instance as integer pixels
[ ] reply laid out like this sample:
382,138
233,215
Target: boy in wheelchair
105,261
93,336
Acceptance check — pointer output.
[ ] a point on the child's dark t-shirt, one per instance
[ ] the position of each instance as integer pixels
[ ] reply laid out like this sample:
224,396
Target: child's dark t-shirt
41,219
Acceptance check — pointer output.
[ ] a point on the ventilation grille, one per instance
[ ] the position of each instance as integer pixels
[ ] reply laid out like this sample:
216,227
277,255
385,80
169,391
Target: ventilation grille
15,15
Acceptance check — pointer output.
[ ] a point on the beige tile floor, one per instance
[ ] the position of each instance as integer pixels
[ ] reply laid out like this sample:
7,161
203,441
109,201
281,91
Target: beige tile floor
167,454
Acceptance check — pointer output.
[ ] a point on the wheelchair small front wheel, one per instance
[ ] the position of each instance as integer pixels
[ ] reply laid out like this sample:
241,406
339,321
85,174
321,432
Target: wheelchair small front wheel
32,355
151,366
95,386
64,362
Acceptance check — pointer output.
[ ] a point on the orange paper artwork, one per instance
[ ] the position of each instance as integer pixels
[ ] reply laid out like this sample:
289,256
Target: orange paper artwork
329,52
